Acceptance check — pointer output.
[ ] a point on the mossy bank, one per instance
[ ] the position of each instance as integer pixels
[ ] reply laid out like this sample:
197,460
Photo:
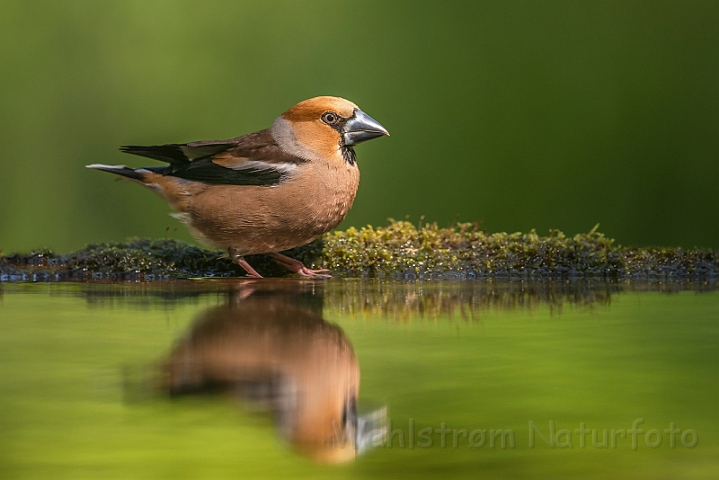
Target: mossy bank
399,250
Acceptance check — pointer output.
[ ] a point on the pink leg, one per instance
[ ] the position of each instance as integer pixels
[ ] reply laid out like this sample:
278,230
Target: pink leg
298,267
240,260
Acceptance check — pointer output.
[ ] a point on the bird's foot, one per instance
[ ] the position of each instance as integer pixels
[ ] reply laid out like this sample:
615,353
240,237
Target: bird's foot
298,267
240,260
309,273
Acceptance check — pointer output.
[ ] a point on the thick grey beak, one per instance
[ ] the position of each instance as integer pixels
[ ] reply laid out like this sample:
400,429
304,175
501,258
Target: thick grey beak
360,128
371,430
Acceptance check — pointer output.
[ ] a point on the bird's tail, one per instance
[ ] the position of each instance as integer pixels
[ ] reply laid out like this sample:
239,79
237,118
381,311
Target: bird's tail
135,174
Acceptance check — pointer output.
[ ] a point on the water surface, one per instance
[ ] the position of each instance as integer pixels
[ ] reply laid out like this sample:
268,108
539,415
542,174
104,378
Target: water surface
247,379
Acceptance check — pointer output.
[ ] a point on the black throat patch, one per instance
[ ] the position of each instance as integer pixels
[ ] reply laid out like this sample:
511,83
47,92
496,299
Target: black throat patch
348,154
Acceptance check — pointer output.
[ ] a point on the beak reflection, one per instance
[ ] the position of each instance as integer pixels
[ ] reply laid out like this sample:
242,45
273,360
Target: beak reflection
273,349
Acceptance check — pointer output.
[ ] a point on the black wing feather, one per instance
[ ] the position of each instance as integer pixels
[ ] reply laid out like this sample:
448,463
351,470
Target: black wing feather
175,153
193,161
206,171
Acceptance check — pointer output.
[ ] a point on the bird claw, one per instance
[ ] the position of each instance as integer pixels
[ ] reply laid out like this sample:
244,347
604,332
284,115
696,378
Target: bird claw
308,273
299,268
240,260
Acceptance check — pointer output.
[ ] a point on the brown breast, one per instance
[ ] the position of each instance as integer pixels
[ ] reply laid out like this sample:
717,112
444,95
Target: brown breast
256,219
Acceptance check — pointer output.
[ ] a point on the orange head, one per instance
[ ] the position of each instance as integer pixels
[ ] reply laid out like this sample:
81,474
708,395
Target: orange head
325,128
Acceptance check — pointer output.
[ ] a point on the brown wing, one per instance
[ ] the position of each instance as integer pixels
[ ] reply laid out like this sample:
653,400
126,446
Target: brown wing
252,159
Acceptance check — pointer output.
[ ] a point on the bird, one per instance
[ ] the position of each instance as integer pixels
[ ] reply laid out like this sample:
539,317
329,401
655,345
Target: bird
267,191
269,346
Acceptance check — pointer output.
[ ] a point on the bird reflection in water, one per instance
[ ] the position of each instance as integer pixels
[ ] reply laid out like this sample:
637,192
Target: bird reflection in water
270,346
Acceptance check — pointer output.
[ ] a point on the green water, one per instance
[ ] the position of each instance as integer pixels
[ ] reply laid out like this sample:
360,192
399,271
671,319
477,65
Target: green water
81,395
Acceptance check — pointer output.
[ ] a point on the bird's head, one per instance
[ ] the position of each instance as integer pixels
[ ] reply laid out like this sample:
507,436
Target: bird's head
325,127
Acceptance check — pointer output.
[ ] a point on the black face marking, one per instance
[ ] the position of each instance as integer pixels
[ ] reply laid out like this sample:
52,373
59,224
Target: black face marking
339,125
348,154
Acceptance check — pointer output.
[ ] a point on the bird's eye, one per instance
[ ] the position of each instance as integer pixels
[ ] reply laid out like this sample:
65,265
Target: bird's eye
330,118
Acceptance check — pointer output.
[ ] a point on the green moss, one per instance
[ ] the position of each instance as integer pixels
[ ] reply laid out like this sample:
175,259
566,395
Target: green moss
399,250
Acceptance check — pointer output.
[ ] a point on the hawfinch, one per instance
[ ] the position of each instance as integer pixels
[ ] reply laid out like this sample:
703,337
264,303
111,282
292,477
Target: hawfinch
267,191
277,352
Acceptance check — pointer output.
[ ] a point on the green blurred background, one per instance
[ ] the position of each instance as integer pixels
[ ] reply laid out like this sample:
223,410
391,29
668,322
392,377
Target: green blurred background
552,114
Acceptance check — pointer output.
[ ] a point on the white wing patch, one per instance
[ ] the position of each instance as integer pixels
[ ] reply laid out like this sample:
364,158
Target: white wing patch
285,168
